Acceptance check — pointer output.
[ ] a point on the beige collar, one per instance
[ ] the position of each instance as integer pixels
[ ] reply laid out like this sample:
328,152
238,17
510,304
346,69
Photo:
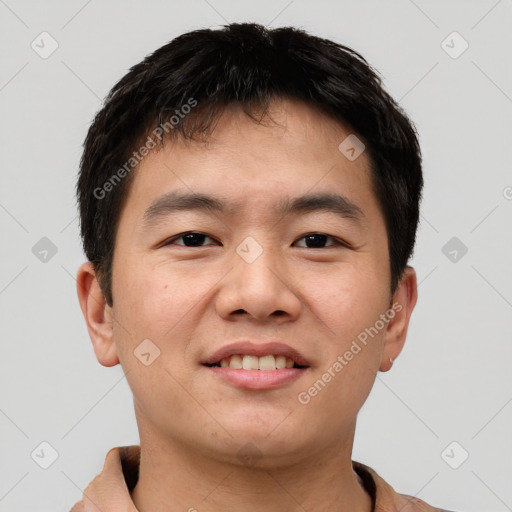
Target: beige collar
110,490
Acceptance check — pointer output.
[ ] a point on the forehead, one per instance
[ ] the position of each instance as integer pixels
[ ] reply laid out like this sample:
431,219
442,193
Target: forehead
253,165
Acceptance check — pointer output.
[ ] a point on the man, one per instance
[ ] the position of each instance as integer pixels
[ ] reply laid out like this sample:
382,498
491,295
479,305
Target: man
249,200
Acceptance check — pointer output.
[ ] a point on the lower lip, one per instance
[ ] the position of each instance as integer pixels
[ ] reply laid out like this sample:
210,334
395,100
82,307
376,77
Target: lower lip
257,379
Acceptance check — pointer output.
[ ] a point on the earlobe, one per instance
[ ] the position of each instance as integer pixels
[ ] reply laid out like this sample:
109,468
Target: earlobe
402,304
97,314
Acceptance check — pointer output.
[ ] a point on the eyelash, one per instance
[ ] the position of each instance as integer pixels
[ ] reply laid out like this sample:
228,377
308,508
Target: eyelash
170,240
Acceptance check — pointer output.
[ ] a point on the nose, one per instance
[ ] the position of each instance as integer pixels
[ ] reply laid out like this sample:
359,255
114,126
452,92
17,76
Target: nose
260,289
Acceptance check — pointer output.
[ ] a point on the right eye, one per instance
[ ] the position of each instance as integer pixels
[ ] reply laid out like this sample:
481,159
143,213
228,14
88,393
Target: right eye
190,238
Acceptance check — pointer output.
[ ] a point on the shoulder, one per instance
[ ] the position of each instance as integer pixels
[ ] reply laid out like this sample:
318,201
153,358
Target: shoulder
386,498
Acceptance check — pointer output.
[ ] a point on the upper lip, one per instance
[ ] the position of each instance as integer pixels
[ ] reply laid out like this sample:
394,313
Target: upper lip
256,349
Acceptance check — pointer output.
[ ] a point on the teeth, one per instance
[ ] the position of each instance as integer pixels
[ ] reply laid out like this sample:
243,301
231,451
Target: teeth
268,362
236,362
250,363
281,362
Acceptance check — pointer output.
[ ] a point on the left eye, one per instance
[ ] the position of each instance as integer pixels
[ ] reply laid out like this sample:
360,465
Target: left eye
318,239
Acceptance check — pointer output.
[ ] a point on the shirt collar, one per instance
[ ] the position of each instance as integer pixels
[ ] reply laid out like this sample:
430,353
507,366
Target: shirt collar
121,471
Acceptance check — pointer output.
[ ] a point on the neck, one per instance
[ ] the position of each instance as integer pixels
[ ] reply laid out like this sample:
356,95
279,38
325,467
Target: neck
178,477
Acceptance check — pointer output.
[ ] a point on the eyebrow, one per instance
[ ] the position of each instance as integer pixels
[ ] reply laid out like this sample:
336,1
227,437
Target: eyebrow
178,202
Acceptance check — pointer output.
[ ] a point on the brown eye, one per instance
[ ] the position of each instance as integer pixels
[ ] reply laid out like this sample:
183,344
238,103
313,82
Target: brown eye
317,240
190,239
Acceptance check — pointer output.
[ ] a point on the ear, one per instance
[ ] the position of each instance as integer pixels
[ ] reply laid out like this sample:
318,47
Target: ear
402,304
98,315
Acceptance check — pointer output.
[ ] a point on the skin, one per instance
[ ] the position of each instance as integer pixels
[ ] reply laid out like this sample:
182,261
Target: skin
190,301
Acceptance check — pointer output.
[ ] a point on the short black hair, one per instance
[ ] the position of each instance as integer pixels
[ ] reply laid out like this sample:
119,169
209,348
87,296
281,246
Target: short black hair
183,88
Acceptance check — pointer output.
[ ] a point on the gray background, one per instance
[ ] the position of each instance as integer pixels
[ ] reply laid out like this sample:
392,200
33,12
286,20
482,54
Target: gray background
452,381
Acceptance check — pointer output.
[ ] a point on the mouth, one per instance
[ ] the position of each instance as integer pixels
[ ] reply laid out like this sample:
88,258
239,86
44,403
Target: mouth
251,366
251,356
269,362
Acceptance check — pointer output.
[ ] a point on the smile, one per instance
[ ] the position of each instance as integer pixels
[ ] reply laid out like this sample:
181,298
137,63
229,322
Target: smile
249,362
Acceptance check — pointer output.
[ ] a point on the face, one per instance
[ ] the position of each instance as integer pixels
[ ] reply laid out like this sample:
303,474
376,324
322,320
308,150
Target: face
249,267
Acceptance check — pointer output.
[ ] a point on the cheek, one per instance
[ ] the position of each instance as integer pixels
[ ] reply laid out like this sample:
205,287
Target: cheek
346,378
349,300
152,305
350,387
351,307
151,297
162,304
